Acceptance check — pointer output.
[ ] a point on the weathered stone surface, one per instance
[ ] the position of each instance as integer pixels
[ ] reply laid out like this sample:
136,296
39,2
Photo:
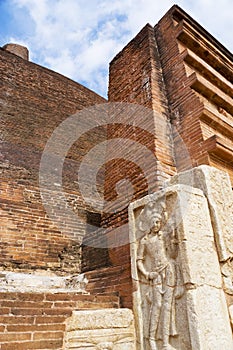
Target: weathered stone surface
208,319
216,186
196,322
100,329
27,283
18,50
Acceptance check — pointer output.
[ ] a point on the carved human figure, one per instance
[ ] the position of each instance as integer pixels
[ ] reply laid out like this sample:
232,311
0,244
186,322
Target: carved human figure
156,262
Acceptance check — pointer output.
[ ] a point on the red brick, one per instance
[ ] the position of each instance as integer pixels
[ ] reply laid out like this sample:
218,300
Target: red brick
47,344
16,319
32,328
49,319
10,337
47,335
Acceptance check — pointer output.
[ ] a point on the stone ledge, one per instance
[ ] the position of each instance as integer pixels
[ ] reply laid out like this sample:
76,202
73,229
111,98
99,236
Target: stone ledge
25,282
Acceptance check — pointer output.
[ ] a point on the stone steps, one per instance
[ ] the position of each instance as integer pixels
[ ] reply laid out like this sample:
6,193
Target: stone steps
37,320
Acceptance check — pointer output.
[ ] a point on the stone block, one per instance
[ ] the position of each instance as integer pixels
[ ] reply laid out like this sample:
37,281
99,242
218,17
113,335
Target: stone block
208,319
106,329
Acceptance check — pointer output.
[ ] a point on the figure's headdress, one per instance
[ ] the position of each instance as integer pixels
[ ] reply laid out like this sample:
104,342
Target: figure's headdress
149,212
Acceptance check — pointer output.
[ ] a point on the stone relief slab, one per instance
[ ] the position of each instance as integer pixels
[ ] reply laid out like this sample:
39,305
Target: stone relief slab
106,329
174,263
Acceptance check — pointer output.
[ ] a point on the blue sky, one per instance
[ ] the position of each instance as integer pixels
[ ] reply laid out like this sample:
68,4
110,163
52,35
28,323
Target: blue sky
78,38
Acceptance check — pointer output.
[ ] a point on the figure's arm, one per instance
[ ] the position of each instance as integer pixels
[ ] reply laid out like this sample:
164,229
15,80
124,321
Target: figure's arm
142,269
140,260
149,275
179,290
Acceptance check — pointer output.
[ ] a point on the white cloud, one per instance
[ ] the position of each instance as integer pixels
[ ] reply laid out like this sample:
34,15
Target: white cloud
78,38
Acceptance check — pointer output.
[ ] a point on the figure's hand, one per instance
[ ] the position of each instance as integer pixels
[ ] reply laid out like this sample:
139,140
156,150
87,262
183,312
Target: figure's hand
152,275
179,291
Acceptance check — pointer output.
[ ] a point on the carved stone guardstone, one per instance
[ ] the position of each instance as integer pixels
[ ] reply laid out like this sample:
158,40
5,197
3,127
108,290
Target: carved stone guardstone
179,302
106,329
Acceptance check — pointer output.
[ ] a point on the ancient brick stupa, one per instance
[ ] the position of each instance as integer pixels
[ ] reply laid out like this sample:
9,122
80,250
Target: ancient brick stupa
70,277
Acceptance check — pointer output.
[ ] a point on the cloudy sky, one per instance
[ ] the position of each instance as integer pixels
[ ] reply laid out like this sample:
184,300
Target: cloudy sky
78,38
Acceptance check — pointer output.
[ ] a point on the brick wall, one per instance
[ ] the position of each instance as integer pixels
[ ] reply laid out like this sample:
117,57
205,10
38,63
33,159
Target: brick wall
114,279
34,101
198,74
135,77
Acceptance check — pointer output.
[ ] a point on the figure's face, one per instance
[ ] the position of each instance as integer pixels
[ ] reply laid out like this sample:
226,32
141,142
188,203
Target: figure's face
156,224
